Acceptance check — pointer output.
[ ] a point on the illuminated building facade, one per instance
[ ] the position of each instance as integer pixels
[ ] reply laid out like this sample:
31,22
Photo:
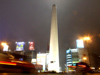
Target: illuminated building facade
76,55
72,57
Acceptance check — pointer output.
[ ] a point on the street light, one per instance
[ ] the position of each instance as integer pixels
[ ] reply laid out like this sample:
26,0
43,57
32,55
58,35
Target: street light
3,44
84,58
86,38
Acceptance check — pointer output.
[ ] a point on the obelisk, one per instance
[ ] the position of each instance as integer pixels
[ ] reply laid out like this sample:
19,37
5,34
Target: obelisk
54,45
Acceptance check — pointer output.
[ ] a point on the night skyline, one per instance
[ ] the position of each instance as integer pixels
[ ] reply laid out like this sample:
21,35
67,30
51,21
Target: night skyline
30,20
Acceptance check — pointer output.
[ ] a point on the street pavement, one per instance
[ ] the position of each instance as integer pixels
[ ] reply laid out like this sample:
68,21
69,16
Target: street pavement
46,74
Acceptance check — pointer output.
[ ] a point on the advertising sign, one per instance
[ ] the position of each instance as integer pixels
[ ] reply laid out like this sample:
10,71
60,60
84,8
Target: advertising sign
20,46
80,43
5,48
41,59
74,50
31,46
68,51
33,61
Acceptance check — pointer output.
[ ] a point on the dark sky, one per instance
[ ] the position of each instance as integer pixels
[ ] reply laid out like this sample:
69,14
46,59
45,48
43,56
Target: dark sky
30,20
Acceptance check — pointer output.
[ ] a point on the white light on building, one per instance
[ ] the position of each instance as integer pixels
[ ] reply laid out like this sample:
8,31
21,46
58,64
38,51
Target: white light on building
80,43
5,48
74,50
41,59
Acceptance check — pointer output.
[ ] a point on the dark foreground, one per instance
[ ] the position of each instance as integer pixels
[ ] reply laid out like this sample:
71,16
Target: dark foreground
45,74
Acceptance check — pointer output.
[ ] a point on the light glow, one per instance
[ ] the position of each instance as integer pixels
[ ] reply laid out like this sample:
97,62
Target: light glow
20,46
33,60
3,44
87,38
5,48
80,43
41,59
31,46
7,63
84,58
74,50
92,67
82,65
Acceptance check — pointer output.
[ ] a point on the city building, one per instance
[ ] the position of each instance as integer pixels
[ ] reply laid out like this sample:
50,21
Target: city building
76,55
43,59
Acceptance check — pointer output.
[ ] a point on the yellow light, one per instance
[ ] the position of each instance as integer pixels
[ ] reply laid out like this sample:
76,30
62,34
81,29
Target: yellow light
84,58
84,38
92,67
87,38
3,44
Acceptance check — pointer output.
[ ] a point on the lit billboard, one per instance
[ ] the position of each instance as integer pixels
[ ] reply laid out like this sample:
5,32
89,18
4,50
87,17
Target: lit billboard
68,51
41,59
80,43
5,48
20,46
31,46
74,50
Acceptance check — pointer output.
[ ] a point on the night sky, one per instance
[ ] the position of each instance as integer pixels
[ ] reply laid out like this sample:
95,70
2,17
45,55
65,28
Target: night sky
30,20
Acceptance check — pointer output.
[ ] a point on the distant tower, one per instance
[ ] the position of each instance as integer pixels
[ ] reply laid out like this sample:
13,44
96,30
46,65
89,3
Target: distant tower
54,45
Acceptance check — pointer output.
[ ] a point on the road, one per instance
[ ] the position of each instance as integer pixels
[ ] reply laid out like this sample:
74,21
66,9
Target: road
44,74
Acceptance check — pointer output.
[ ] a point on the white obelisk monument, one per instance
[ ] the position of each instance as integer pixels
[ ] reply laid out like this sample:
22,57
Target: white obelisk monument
54,45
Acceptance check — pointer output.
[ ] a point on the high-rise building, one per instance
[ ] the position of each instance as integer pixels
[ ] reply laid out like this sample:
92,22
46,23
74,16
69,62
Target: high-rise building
54,45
